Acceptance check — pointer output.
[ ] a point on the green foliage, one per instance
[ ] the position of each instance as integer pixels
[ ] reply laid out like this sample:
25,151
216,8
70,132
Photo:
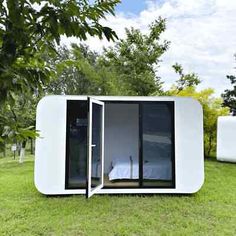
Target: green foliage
212,108
128,68
185,80
24,211
78,72
19,134
134,60
229,96
30,28
30,31
17,119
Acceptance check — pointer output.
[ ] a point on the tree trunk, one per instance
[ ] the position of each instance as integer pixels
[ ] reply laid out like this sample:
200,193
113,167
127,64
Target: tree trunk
31,146
22,152
234,112
4,150
210,145
22,155
18,148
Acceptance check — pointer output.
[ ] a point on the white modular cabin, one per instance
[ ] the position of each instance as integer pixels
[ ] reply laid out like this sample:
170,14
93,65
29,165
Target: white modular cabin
226,141
119,144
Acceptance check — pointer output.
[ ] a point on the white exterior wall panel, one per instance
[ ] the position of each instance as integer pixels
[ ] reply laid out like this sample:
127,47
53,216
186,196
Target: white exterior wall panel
51,146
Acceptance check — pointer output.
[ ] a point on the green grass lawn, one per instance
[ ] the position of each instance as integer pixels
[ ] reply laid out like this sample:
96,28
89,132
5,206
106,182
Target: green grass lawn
24,211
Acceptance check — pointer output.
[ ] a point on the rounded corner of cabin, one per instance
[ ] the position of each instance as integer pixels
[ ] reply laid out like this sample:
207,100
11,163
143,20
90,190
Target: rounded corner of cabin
198,186
196,103
219,118
193,187
192,105
44,100
39,186
219,158
41,191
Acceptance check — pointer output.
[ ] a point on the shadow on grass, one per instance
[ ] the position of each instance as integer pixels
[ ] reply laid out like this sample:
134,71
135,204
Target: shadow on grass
213,159
129,195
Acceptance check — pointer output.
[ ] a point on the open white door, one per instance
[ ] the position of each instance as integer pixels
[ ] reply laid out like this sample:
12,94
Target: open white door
95,161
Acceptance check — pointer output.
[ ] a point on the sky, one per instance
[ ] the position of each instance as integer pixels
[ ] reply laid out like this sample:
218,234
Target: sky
202,35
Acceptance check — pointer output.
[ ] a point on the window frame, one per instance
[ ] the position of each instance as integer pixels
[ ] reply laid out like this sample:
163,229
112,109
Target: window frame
90,191
171,106
67,147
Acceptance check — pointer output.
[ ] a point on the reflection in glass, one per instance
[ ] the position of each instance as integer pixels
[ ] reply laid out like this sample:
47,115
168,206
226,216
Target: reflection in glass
157,124
76,145
96,144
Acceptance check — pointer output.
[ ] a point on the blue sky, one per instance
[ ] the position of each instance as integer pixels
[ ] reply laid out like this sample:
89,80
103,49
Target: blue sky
202,35
131,6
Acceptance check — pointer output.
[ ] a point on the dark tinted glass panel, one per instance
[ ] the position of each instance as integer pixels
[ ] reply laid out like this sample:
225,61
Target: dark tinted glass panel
157,144
76,144
96,144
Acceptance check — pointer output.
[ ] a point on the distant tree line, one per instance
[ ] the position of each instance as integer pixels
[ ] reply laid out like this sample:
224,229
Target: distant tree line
36,66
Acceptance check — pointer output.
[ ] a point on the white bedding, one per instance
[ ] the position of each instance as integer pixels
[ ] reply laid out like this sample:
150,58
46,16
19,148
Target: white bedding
154,169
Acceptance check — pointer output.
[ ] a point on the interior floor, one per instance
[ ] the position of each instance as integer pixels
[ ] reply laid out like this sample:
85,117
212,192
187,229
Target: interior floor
120,183
79,182
135,183
75,182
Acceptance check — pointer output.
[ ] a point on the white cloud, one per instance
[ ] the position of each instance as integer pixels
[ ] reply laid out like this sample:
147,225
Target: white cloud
202,35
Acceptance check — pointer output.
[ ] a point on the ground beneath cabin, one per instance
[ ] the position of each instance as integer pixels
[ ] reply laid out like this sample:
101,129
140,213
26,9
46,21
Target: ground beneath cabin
24,211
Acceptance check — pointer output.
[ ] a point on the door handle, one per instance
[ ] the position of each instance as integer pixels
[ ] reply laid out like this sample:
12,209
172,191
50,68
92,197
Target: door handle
93,145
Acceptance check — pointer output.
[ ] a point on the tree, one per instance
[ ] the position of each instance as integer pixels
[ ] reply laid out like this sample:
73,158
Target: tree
229,96
135,60
30,31
78,72
30,28
212,108
128,68
20,119
185,80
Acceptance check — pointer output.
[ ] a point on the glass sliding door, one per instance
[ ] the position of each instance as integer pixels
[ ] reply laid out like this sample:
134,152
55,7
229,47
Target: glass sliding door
157,144
76,144
95,161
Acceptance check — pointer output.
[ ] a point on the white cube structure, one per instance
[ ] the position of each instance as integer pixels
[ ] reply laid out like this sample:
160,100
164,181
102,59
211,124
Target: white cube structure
113,145
226,138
